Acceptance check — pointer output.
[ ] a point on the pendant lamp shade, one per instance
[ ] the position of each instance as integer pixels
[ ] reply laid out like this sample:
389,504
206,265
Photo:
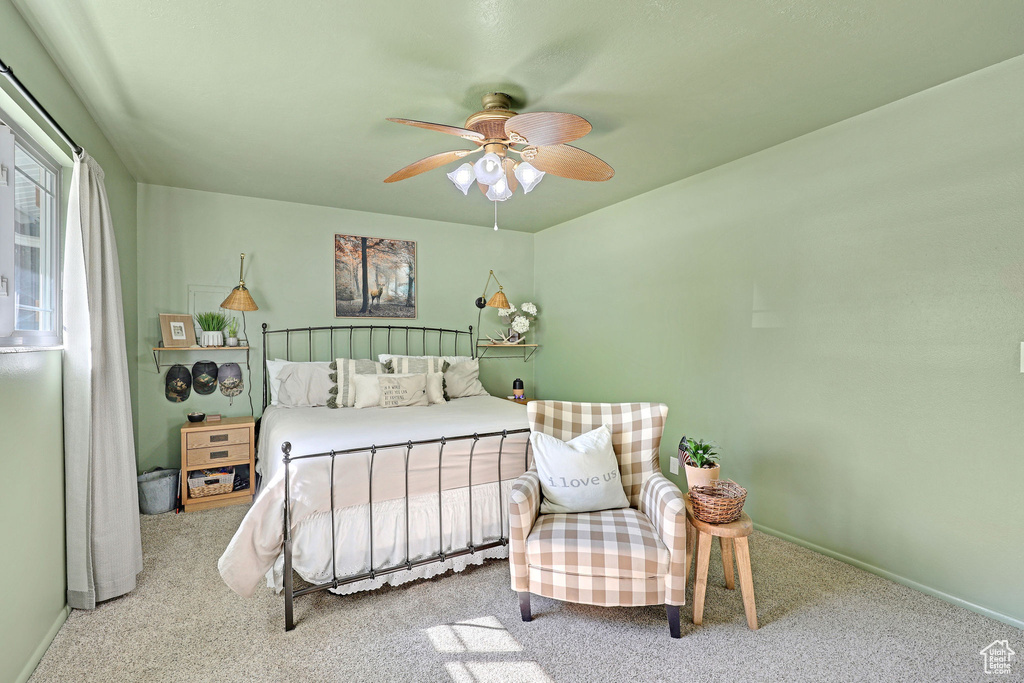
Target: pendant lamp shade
499,300
240,299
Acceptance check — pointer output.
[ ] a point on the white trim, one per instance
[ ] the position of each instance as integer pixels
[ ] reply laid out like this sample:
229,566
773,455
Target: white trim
896,578
44,644
39,150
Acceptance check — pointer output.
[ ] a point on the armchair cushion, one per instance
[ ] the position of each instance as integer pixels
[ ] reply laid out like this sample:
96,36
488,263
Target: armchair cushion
620,544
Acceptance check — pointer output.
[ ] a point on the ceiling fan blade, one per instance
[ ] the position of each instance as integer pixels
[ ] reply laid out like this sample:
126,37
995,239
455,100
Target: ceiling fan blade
464,133
510,174
571,162
547,127
427,164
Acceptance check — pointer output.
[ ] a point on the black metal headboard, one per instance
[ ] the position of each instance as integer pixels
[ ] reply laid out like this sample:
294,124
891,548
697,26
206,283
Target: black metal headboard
322,343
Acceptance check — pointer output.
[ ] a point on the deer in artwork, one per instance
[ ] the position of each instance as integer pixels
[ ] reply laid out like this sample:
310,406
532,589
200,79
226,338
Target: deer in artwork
375,294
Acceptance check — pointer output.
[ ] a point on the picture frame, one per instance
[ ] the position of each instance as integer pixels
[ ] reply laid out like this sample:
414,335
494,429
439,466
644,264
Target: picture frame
177,331
388,266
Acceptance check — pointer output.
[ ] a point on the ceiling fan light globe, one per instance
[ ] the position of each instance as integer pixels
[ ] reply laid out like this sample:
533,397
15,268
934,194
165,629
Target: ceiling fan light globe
499,191
488,169
463,177
528,175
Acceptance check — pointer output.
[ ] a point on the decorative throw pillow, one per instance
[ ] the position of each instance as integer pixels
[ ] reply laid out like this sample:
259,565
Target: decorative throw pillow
343,393
581,475
410,390
452,360
401,365
463,379
304,384
367,388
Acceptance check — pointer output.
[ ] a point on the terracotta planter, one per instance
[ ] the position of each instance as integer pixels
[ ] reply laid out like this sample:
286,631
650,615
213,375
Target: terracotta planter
700,476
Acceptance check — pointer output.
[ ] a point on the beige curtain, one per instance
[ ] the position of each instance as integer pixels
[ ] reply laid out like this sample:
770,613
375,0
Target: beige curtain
104,548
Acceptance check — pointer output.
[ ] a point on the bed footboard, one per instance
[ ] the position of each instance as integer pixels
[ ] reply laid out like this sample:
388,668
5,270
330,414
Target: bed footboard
408,564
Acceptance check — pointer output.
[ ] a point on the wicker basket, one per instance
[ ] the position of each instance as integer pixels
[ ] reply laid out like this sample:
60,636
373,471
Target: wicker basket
211,482
720,502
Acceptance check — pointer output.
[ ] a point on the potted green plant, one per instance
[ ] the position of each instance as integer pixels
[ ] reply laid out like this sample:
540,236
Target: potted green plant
699,460
212,324
232,339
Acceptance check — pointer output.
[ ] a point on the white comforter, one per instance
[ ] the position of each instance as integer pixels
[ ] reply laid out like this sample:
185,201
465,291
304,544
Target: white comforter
316,430
256,547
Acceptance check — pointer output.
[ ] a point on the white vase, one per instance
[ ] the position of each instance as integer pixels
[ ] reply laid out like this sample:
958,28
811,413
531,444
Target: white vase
232,341
211,338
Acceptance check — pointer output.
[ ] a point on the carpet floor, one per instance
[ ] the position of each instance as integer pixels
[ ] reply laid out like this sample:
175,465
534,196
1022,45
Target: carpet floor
820,620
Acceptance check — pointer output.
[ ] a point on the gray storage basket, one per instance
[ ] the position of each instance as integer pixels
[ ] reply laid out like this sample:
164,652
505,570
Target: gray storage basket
158,491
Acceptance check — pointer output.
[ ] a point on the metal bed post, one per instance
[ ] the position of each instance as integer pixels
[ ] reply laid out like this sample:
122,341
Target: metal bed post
289,596
373,454
408,452
501,508
334,550
440,523
472,448
266,388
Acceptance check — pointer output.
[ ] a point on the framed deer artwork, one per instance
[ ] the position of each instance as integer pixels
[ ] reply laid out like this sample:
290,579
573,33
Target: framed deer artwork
374,277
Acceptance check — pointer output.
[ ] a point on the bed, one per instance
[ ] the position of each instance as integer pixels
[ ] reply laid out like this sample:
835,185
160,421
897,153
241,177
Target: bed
410,492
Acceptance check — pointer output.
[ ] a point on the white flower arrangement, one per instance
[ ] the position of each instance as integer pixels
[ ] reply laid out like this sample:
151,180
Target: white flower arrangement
517,320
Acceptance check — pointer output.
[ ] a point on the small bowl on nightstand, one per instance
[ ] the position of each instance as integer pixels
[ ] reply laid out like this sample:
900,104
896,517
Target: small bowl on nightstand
196,417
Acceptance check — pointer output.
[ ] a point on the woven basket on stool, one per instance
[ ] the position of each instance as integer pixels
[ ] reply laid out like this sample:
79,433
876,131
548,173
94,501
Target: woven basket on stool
720,502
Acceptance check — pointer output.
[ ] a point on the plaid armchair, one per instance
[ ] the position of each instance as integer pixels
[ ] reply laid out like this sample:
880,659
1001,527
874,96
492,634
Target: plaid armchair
628,557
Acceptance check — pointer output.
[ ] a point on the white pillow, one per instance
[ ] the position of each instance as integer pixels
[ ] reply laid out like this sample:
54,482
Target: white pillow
274,368
463,379
396,392
581,475
304,385
368,388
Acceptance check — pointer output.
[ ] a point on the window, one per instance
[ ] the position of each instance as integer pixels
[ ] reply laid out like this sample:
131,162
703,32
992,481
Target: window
29,243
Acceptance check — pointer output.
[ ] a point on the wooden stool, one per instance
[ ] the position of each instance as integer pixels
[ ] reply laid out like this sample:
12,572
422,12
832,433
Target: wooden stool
732,537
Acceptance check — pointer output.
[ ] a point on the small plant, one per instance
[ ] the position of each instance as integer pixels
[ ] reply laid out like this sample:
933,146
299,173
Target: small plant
698,453
211,321
233,327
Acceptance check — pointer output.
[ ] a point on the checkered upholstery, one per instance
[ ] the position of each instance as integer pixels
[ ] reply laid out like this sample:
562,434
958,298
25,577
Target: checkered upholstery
636,433
620,544
633,556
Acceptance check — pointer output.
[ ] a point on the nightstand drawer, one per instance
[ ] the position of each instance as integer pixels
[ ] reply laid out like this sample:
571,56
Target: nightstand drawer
217,455
220,437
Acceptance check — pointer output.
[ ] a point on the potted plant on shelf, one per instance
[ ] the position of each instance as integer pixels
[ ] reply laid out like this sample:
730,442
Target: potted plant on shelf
699,459
232,339
212,324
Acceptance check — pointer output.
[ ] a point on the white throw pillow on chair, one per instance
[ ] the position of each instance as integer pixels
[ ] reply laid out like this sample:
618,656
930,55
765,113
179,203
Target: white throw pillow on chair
581,475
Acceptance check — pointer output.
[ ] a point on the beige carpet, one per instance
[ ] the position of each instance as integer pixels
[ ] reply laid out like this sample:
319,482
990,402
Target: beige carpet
820,620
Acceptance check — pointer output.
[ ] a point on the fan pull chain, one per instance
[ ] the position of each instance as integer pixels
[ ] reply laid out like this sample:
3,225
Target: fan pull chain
495,215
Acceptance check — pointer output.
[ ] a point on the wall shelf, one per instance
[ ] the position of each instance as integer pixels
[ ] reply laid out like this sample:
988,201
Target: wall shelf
524,351
158,350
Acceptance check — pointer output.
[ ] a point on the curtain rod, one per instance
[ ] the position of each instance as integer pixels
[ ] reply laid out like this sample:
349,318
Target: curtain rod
9,73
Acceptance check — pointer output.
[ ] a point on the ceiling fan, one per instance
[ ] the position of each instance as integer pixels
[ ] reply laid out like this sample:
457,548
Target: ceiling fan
537,138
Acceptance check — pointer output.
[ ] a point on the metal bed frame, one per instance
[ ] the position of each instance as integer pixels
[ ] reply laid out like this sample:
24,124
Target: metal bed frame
441,556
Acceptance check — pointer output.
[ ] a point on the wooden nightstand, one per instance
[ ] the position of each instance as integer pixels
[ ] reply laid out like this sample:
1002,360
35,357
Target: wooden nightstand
521,401
210,445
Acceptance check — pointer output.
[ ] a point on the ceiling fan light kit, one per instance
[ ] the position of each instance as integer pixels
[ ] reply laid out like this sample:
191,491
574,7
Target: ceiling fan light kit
538,138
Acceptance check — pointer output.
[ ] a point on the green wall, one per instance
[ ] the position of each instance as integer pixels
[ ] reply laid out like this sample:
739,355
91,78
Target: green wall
31,421
187,237
843,314
32,576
